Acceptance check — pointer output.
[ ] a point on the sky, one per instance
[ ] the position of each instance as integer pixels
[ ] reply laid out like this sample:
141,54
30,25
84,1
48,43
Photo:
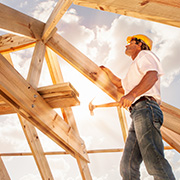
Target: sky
101,36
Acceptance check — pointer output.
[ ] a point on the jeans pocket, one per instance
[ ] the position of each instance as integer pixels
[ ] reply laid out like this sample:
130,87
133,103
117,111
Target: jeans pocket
157,118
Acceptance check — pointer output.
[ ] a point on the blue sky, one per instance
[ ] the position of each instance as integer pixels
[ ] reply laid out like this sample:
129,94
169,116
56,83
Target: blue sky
102,37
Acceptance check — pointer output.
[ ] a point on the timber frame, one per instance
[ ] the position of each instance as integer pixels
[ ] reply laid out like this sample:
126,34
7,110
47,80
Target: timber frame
34,106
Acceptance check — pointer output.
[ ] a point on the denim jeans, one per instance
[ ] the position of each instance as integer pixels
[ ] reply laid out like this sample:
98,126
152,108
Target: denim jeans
144,143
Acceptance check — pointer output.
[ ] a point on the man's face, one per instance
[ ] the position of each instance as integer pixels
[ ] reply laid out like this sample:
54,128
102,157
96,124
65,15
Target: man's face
132,49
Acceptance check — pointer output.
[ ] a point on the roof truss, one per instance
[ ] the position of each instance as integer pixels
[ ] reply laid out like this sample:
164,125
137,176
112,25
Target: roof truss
30,103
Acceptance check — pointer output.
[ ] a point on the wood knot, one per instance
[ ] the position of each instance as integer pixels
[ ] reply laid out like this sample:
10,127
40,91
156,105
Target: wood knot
144,2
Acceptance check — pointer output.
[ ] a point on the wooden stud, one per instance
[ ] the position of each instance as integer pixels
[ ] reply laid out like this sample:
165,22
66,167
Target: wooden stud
56,74
61,7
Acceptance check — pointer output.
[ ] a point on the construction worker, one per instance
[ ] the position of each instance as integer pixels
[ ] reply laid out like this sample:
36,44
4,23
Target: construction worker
141,88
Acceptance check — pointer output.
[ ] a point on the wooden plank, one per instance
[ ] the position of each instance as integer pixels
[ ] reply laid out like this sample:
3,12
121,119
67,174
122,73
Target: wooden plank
32,106
123,122
83,64
10,43
171,117
29,130
171,138
54,95
3,172
56,74
18,22
162,11
60,9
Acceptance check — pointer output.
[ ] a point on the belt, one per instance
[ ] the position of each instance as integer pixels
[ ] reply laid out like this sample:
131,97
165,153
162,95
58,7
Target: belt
143,98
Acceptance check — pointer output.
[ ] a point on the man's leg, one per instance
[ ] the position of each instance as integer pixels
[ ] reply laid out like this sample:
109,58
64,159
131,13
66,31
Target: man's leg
131,159
147,122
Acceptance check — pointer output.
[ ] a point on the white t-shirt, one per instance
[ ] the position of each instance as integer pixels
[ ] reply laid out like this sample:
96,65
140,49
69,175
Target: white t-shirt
144,62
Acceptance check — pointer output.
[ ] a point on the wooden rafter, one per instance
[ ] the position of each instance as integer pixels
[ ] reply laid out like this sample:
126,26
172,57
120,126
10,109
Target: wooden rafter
20,23
162,11
61,7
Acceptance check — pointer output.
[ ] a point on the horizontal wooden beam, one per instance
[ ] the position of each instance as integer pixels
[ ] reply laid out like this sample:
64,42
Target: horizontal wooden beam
65,153
15,21
28,103
161,11
57,96
10,43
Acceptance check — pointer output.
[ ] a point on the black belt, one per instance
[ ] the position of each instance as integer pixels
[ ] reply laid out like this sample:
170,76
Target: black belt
143,98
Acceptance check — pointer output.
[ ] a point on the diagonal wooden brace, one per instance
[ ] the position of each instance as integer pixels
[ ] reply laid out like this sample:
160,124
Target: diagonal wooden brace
27,102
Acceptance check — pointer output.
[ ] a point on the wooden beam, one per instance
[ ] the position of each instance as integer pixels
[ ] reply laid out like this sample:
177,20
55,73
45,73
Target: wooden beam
162,11
10,43
57,77
18,22
123,122
3,172
32,106
60,9
57,96
171,138
83,64
29,130
93,151
171,117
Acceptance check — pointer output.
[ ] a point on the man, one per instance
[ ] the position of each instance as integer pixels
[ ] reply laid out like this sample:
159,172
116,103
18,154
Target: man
141,87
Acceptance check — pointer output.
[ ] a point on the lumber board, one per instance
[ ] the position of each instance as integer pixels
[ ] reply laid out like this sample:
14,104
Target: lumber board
29,130
59,10
171,137
57,98
10,43
171,117
123,122
3,172
56,74
161,11
32,106
15,21
82,63
53,66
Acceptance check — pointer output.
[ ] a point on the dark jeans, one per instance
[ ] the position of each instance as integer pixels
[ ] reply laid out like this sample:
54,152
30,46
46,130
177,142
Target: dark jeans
144,142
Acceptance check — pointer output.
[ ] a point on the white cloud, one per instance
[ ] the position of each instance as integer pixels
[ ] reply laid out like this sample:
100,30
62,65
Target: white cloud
43,10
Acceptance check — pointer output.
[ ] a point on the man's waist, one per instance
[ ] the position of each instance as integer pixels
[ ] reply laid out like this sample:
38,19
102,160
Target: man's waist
143,98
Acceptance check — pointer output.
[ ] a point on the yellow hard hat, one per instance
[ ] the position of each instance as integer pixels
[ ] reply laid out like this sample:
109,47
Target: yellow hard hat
144,38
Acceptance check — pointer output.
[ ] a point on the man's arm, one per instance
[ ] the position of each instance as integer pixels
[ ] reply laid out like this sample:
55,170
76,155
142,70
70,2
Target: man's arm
114,79
145,84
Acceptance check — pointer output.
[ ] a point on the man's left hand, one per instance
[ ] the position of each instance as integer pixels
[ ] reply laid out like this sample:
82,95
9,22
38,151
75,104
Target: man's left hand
126,101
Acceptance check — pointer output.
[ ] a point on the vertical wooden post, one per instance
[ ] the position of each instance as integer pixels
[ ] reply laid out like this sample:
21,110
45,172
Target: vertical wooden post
56,75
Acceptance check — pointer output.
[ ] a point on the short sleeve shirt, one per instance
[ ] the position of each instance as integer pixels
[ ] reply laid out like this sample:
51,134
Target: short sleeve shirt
144,62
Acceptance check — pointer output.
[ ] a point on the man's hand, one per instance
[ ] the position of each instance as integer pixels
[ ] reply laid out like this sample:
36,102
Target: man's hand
126,101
